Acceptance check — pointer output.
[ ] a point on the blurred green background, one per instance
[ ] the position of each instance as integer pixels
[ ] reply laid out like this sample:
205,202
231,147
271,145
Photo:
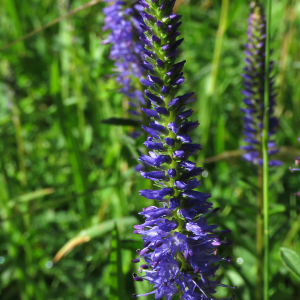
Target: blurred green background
66,178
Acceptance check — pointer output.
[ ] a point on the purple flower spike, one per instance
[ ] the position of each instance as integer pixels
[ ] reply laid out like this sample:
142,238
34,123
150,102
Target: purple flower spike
122,20
179,255
254,82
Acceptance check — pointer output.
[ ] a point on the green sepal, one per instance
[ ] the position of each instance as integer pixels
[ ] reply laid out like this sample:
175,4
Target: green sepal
179,215
166,78
150,60
148,48
163,117
148,35
170,60
166,20
151,90
164,36
176,159
172,108
164,165
161,51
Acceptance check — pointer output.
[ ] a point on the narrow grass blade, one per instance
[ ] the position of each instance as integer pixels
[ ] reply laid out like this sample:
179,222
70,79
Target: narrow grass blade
116,279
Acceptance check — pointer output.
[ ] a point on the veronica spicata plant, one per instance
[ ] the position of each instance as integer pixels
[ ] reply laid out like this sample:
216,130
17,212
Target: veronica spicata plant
122,19
180,248
254,83
256,77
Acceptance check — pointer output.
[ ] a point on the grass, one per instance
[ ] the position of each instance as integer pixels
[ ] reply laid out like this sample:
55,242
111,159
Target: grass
56,87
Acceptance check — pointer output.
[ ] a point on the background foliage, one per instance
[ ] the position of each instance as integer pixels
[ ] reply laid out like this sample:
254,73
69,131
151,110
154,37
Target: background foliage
66,180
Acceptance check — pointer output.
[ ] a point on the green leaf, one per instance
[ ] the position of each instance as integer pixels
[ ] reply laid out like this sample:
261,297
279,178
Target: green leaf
116,280
291,260
121,122
92,232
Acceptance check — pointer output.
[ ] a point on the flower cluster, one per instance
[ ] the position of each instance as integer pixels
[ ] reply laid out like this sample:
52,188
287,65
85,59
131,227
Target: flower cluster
180,248
254,83
122,19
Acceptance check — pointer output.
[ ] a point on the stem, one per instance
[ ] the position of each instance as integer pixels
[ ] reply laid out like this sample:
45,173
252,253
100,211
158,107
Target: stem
259,237
265,156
